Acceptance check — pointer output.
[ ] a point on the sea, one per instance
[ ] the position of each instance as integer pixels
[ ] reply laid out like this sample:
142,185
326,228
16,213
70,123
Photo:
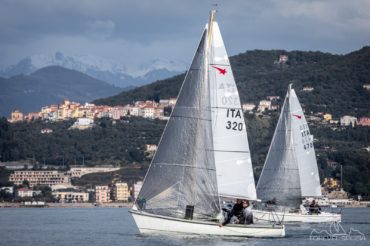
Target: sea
115,226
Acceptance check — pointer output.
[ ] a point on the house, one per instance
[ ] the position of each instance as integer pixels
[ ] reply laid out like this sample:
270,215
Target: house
83,124
263,105
327,117
364,121
16,116
283,59
25,192
348,120
248,106
102,194
307,89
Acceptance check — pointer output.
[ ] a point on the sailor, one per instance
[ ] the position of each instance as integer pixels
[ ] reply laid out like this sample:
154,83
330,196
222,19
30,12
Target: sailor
235,213
247,215
314,208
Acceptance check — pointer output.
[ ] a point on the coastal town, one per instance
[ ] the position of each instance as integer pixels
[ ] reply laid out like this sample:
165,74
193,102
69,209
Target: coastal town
27,180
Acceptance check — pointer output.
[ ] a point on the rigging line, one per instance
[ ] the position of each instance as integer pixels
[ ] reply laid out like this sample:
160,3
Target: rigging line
183,165
189,117
218,64
235,151
227,108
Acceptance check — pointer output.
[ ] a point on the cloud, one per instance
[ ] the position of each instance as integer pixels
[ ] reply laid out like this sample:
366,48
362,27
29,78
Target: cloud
143,30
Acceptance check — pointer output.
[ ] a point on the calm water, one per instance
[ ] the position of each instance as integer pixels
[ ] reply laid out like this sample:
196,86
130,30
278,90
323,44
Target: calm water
115,226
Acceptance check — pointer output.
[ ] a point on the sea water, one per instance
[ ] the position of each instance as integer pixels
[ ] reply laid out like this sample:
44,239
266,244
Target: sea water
115,226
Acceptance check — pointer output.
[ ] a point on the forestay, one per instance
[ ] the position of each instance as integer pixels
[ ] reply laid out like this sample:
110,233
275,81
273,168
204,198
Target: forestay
182,171
233,161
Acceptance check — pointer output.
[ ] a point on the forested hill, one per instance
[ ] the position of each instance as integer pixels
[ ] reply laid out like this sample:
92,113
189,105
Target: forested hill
337,80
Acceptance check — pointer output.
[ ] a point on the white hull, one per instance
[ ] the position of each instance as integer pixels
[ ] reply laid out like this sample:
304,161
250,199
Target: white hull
149,223
323,217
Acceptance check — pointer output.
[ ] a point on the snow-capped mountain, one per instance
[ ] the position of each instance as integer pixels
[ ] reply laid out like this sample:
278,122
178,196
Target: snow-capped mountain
102,69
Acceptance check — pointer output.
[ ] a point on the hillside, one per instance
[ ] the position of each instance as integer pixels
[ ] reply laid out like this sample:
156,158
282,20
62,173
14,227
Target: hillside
337,80
50,85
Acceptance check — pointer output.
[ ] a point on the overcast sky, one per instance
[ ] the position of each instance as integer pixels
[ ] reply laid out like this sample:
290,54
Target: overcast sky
141,30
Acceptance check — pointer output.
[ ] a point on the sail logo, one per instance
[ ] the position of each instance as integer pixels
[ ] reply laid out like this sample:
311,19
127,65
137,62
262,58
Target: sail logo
222,71
336,232
297,116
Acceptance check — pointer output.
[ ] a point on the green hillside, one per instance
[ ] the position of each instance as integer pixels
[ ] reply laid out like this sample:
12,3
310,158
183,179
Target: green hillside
337,80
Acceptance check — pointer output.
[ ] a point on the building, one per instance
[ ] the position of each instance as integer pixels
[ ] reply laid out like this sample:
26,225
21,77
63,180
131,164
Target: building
47,178
248,106
78,172
83,124
307,89
46,131
102,194
137,188
264,104
283,59
364,121
348,120
25,192
172,101
327,117
71,196
8,190
121,192
366,87
16,116
272,98
148,112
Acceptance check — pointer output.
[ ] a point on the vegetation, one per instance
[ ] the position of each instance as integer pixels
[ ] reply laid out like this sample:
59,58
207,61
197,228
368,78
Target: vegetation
337,80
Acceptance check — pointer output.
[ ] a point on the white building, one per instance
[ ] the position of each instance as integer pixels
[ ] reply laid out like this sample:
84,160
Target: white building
148,112
83,123
248,106
9,190
264,104
25,192
348,120
71,196
137,188
78,172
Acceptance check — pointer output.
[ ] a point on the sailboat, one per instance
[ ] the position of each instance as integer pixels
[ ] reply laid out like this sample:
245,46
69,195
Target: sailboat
202,155
290,172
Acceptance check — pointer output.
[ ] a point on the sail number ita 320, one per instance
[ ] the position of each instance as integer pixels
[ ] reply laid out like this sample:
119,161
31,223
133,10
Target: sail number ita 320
234,114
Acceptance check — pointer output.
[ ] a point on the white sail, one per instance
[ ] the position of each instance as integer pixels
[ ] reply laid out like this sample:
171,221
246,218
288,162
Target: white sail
290,171
182,171
305,152
233,161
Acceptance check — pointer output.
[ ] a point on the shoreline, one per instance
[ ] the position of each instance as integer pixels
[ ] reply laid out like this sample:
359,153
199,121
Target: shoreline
67,205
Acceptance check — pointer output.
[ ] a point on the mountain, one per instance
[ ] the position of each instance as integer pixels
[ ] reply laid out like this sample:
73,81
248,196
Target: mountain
50,85
337,80
112,72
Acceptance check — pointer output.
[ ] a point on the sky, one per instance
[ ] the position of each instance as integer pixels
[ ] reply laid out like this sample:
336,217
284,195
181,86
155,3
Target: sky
142,30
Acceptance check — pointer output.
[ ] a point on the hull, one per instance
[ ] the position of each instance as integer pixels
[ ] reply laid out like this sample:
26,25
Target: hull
149,223
267,216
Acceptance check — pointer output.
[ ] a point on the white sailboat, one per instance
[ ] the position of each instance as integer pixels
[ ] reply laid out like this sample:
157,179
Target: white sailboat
203,154
290,172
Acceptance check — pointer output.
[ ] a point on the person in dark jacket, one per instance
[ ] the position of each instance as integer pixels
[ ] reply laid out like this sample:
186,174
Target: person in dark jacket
247,216
235,213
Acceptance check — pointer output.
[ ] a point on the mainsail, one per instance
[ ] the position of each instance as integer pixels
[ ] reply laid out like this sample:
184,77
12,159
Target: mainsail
290,171
183,170
233,161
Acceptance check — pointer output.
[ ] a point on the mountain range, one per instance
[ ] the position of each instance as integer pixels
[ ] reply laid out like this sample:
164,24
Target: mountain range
102,69
50,85
337,80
